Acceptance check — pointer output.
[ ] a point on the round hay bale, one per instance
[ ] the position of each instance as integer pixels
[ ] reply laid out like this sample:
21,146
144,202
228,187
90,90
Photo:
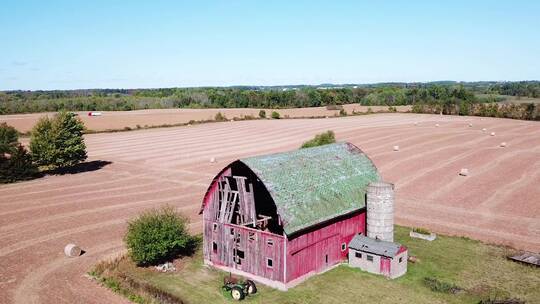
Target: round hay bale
484,129
503,144
213,160
72,250
436,125
464,172
492,134
232,120
396,148
470,125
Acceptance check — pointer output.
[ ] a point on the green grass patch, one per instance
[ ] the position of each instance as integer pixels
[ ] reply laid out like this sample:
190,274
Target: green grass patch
480,270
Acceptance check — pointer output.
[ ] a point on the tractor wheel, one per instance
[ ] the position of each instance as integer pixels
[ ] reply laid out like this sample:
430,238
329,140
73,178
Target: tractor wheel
237,293
252,288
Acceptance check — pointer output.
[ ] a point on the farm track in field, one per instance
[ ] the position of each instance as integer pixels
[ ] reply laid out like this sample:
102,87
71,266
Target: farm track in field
498,202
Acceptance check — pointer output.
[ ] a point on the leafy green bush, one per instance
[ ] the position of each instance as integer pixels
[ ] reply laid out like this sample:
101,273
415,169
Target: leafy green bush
58,142
275,115
158,235
15,162
325,138
262,114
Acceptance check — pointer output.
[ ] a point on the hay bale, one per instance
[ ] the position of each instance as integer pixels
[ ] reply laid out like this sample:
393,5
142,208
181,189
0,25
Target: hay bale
72,250
470,125
416,123
503,144
437,125
396,148
484,129
213,160
464,172
492,134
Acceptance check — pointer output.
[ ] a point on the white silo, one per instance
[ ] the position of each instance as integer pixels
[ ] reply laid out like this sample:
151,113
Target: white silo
380,211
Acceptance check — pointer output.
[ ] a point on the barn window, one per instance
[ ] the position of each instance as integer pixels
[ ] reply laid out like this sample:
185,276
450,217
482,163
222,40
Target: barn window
400,259
343,246
214,247
270,242
369,258
238,256
214,227
358,255
269,263
251,236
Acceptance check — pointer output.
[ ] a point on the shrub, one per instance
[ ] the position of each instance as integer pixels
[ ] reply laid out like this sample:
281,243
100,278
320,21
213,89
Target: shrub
275,115
421,230
58,142
220,117
325,138
342,112
158,235
262,114
439,286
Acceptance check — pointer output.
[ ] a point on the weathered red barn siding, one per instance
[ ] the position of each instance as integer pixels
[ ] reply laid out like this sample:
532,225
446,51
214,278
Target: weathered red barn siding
257,246
308,252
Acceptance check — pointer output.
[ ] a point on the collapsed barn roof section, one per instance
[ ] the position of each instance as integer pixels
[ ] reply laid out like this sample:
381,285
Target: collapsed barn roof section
314,185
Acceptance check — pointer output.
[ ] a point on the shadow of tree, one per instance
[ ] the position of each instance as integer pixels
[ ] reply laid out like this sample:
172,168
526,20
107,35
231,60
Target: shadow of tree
80,168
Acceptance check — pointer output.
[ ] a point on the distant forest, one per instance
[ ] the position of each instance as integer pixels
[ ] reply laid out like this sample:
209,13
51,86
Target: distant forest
444,96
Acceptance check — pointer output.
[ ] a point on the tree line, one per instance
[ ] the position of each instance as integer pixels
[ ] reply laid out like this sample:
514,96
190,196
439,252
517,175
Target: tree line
124,100
442,97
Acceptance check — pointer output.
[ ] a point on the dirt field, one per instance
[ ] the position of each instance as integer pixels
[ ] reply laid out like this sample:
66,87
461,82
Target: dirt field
120,119
497,202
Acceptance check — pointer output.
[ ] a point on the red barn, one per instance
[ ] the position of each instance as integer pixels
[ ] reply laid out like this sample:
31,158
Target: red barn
281,218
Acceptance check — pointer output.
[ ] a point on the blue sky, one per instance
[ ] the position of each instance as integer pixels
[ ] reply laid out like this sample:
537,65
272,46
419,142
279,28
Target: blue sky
141,44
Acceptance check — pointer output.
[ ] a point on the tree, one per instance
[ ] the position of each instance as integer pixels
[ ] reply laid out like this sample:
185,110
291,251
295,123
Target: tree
275,115
15,162
58,142
157,235
17,166
8,138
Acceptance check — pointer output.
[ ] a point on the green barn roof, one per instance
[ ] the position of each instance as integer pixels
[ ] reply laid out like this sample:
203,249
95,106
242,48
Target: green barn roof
313,185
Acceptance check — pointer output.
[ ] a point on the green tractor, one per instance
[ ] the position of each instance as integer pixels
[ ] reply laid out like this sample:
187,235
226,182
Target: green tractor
239,289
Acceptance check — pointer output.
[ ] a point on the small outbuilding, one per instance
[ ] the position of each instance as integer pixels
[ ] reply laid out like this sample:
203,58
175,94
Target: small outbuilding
377,256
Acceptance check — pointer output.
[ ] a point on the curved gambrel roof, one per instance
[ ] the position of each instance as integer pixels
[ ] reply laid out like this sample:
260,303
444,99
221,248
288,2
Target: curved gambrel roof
313,185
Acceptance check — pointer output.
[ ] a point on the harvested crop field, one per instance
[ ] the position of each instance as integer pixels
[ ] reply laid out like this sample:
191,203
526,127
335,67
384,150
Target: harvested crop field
497,202
146,118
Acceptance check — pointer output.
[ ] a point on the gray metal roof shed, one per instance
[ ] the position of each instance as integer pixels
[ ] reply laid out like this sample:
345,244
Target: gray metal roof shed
378,247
